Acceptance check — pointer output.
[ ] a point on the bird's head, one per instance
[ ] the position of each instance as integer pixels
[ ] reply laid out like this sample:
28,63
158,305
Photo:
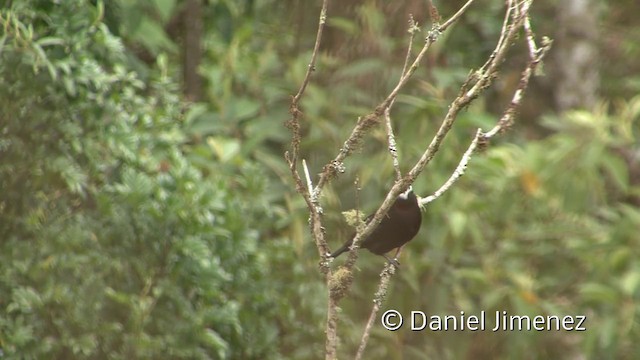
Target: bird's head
407,195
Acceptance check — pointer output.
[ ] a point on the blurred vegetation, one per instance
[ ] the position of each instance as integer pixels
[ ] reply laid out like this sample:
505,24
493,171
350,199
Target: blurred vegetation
135,224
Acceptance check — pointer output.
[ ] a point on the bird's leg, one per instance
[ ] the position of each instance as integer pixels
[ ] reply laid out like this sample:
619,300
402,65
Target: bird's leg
395,257
393,262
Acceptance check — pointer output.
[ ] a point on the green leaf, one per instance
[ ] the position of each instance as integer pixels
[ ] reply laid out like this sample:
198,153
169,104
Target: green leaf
344,24
24,299
457,223
224,149
214,340
617,169
598,293
153,36
165,8
630,283
242,108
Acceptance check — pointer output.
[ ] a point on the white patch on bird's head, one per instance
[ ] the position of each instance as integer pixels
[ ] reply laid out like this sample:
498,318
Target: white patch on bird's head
405,195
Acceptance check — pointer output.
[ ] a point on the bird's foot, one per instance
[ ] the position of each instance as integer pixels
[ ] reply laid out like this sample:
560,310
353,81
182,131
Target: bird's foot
393,261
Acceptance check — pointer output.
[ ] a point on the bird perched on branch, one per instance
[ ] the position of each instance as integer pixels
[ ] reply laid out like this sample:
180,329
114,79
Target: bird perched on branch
398,227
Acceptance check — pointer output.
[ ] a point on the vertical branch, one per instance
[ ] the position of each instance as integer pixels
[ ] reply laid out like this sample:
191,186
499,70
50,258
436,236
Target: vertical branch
576,69
352,256
331,343
310,196
391,140
294,109
193,30
385,277
312,63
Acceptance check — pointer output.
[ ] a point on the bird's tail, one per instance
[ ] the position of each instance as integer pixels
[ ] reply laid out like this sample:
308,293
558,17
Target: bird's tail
342,249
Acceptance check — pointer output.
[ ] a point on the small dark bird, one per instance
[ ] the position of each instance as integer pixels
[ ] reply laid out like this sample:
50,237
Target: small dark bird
398,227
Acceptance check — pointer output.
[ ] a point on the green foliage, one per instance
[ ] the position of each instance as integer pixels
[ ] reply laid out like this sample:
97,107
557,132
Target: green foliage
113,244
620,48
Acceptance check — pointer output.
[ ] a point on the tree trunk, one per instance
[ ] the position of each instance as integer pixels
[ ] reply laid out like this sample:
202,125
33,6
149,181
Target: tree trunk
192,50
576,62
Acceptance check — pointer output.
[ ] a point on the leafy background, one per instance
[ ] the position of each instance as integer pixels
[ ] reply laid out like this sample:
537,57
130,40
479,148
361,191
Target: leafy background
137,222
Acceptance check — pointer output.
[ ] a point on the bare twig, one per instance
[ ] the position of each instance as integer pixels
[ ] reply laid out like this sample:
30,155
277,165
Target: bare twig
531,41
353,255
455,16
294,109
391,140
312,63
388,271
310,196
413,29
459,171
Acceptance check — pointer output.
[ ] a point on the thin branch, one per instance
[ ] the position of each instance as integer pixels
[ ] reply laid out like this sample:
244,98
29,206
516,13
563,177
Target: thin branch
507,117
294,109
531,40
455,16
399,185
311,197
385,277
413,29
503,34
352,256
459,171
312,63
391,140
